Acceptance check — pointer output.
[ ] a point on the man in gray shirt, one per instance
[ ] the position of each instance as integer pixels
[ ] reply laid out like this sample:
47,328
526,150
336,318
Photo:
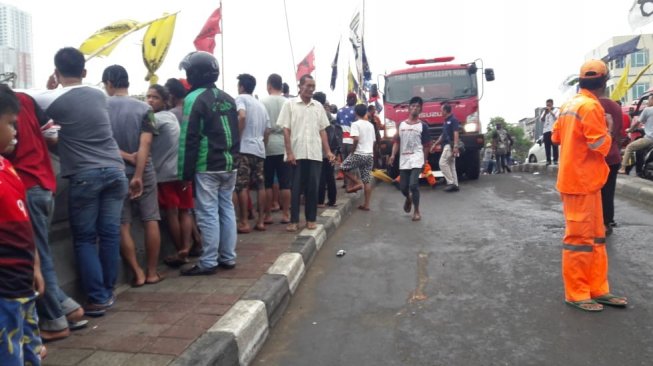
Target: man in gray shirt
133,127
274,150
645,118
91,162
254,126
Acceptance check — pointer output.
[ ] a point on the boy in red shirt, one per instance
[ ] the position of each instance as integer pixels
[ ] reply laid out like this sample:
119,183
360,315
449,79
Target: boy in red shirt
20,342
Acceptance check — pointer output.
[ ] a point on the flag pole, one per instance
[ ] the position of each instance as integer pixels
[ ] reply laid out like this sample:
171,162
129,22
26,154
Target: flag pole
222,42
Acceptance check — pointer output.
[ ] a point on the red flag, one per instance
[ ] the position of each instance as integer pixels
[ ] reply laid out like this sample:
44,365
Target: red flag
307,65
205,41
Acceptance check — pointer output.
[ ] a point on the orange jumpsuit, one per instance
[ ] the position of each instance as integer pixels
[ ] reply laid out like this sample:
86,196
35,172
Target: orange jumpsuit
582,133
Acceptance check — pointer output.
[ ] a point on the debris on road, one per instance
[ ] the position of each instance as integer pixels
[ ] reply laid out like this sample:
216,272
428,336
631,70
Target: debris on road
340,253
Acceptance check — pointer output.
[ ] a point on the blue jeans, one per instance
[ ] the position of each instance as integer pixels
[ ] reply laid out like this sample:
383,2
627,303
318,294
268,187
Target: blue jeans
95,204
216,217
53,306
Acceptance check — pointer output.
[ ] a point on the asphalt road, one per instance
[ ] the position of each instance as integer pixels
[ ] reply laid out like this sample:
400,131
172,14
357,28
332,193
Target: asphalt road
476,282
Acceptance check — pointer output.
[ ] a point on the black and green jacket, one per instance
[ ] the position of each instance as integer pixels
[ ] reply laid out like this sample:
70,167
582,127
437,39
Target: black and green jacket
209,139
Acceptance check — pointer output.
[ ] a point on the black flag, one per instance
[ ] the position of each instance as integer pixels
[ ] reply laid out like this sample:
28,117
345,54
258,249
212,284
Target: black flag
334,68
367,73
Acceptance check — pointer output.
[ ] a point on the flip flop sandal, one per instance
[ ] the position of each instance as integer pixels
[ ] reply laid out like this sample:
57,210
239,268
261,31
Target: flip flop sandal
291,228
81,324
607,300
580,305
159,278
260,228
135,284
363,208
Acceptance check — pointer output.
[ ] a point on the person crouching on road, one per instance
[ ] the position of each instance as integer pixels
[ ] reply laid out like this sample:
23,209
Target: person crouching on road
362,157
412,144
581,130
449,141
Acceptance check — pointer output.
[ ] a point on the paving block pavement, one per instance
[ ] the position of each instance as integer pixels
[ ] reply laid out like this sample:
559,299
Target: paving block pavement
222,319
629,186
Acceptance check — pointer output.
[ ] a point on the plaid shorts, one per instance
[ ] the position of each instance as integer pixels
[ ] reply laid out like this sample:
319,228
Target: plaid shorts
250,173
20,340
364,163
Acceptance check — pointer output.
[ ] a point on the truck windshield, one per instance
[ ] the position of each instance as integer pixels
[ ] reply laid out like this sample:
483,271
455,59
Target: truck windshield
430,85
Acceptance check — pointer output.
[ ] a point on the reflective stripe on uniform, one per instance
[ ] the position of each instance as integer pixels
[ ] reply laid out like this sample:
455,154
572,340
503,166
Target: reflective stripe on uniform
599,240
597,144
577,248
573,114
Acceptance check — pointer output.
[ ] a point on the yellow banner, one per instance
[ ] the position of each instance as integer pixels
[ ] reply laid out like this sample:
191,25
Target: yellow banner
639,75
155,45
621,88
105,36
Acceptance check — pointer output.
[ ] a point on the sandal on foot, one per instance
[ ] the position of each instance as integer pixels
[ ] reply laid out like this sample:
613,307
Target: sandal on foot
291,228
259,228
159,278
586,305
363,208
612,300
81,324
311,225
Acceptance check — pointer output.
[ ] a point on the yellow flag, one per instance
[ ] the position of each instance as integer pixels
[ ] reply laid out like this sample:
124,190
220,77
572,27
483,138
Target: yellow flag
108,36
639,75
622,86
352,84
155,45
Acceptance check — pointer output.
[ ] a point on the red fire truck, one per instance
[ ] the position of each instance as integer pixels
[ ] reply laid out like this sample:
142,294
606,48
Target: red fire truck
438,82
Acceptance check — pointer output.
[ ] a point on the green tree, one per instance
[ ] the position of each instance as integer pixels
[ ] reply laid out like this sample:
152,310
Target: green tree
520,145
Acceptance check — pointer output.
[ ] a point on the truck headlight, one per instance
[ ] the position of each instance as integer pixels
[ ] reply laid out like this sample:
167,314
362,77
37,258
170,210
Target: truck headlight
471,127
472,124
390,128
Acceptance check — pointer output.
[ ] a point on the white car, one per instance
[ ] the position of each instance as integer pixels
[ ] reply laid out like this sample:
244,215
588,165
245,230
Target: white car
536,153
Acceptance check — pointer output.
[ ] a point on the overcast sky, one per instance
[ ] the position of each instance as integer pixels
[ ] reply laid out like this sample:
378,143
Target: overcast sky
532,45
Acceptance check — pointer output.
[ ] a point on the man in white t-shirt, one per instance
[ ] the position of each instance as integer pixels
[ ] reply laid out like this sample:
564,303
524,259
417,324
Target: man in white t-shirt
412,143
362,158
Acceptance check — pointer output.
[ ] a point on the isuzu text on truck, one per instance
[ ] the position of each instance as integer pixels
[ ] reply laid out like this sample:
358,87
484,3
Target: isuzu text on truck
437,83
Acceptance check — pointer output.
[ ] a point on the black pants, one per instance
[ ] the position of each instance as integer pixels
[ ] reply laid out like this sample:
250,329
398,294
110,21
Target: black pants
305,180
409,183
327,184
549,146
607,194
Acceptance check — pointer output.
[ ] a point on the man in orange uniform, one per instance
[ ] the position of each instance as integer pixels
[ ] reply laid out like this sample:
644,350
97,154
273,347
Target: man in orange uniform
582,133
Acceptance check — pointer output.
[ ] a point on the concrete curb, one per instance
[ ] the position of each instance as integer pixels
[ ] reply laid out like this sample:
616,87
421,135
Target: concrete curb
239,334
631,187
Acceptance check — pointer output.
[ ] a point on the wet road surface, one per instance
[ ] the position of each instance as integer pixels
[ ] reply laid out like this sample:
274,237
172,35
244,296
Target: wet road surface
476,282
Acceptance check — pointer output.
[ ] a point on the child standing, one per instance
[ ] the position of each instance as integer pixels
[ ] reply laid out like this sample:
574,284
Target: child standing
362,131
20,342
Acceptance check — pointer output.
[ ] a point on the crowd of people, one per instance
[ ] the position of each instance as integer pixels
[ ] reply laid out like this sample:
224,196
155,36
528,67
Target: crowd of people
189,152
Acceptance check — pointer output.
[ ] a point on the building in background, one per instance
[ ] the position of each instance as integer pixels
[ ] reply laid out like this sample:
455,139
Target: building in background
638,60
16,45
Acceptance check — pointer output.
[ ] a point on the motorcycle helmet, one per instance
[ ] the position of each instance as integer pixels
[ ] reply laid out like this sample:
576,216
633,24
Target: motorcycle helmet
201,68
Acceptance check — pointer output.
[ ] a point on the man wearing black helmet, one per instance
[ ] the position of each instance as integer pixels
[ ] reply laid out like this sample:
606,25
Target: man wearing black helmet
208,152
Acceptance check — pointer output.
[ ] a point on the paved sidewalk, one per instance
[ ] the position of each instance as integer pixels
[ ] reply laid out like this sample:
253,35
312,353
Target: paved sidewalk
155,324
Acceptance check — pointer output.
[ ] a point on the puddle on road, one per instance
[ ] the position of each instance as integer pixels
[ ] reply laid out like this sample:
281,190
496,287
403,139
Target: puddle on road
422,279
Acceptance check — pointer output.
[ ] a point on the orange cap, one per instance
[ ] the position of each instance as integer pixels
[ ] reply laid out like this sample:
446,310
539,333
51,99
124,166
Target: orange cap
593,69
